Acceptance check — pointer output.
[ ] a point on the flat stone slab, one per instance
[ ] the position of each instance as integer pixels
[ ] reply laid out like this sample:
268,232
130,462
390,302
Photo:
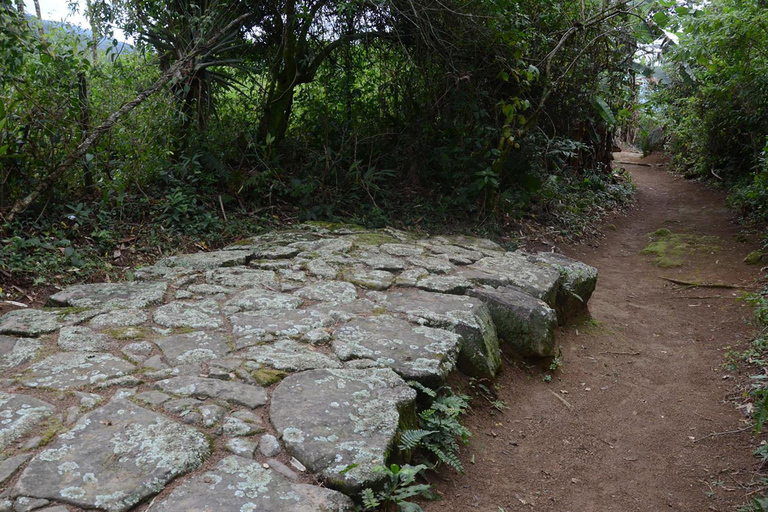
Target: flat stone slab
238,484
527,323
113,458
194,347
19,415
120,318
256,299
340,424
370,279
262,326
74,370
241,277
111,295
331,291
421,353
470,318
17,351
195,315
289,356
11,465
201,387
30,322
206,260
82,339
456,285
515,268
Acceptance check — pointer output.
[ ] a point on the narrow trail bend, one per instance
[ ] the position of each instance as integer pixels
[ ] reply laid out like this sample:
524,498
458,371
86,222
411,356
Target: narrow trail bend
645,382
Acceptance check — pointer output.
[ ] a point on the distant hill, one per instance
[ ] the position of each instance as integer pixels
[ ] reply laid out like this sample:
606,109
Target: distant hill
85,35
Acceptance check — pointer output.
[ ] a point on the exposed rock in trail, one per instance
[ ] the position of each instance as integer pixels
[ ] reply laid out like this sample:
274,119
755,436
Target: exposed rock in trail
20,415
578,283
325,323
420,353
240,484
111,295
527,323
113,458
331,420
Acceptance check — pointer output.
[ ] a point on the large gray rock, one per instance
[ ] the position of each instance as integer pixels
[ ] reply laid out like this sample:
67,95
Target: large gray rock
113,458
341,423
196,315
17,351
194,347
206,260
30,322
371,279
256,299
332,291
111,295
470,318
19,415
514,268
74,370
527,323
242,277
290,356
82,339
578,283
421,353
11,465
263,326
238,484
232,392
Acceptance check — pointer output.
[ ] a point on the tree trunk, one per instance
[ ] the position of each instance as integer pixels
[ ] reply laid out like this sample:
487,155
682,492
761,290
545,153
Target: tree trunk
39,14
95,33
20,6
85,127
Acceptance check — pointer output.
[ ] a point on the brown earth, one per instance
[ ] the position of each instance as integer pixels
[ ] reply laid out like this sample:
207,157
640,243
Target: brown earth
639,417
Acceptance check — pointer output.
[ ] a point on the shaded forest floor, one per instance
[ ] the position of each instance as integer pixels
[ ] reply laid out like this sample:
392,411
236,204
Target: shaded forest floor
640,417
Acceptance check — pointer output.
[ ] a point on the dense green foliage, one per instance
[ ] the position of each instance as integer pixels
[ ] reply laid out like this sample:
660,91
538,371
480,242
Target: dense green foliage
712,98
424,112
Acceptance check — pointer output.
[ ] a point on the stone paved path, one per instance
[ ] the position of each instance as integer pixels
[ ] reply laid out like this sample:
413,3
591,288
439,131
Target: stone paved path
268,376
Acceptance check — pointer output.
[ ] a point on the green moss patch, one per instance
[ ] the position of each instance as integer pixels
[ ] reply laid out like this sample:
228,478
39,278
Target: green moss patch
671,248
266,376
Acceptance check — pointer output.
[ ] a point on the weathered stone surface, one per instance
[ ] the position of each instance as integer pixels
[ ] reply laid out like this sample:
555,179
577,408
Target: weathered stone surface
481,245
269,446
527,323
138,352
111,295
332,291
455,254
456,285
242,447
421,353
30,322
212,414
331,420
26,504
235,427
11,465
19,415
205,260
153,398
290,356
194,347
258,327
256,299
17,351
113,458
195,315
82,339
378,261
74,370
434,264
514,268
371,279
120,318
578,283
232,392
243,278
213,290
243,485
410,277
321,269
402,249
470,318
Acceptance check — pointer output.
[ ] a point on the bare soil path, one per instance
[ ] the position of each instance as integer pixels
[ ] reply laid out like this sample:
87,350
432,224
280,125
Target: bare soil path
642,388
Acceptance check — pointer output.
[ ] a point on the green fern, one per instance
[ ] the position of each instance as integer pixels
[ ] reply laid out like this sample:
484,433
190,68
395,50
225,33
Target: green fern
410,439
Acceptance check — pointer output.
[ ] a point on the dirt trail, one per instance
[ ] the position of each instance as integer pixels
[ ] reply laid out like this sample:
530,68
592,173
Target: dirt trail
645,381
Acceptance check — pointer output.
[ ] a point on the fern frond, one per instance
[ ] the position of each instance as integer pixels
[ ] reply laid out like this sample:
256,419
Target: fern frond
410,439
